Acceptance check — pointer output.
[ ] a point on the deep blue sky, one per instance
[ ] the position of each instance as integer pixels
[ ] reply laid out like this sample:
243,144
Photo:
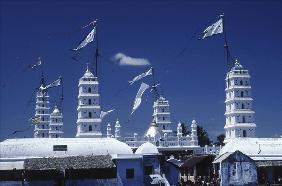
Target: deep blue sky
156,30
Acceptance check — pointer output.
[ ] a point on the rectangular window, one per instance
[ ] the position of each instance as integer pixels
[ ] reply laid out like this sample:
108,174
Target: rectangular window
60,147
129,173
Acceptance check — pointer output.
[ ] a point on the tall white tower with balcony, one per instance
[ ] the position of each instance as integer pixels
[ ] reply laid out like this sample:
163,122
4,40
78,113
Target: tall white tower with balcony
88,119
239,114
56,124
42,111
161,115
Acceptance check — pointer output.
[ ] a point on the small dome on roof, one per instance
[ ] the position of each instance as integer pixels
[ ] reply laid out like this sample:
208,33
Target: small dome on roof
153,131
56,110
194,124
162,98
88,74
147,148
237,66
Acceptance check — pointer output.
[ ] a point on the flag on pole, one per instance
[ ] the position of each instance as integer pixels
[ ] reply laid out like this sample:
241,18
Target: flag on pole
144,74
137,102
104,113
38,63
89,38
216,28
51,85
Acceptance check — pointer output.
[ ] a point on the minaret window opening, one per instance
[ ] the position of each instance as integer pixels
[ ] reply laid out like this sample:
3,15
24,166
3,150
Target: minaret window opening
89,101
241,82
243,119
43,135
163,110
243,106
244,133
89,90
42,111
163,118
242,94
43,119
42,126
90,128
89,114
163,127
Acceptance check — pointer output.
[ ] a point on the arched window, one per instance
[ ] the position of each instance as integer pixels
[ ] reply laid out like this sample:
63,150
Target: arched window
243,119
90,128
89,90
43,119
243,106
163,127
42,126
241,82
163,109
43,135
242,94
90,114
56,135
244,133
42,111
163,118
89,101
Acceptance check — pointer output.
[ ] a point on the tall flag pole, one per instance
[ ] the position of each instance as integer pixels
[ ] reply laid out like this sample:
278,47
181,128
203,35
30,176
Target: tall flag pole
97,51
226,49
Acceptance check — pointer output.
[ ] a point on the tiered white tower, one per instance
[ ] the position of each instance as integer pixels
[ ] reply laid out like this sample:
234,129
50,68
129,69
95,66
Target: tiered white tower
88,120
42,110
56,124
239,114
161,115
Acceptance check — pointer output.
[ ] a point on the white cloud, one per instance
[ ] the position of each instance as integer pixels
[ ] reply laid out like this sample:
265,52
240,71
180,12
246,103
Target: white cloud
127,60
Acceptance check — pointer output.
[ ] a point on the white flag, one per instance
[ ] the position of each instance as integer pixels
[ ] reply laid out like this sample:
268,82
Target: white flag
216,28
149,72
89,38
51,85
103,114
138,97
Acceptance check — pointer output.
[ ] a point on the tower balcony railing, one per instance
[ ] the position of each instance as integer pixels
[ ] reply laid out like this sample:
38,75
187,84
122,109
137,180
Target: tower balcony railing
89,120
238,87
238,99
160,113
84,94
239,111
88,107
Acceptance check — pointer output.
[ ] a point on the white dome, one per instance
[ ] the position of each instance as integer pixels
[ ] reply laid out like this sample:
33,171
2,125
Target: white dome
147,148
153,131
237,66
88,74
56,111
43,147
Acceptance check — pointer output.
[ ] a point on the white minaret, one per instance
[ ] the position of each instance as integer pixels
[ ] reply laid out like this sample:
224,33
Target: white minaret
56,124
179,130
161,115
194,135
239,114
117,130
109,130
88,119
42,110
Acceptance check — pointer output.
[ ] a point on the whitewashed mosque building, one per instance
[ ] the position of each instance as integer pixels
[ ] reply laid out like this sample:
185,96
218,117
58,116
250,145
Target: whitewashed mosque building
21,154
